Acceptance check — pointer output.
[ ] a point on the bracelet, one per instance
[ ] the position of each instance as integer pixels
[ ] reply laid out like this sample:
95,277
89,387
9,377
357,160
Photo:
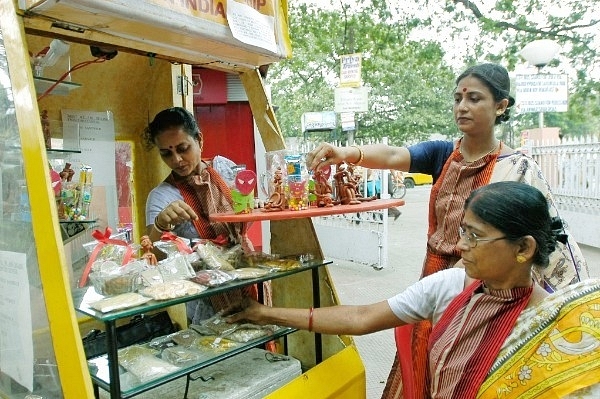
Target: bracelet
361,156
160,228
310,319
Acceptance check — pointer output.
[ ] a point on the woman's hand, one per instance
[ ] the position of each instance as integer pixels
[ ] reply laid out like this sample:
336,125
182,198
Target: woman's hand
324,155
248,310
174,214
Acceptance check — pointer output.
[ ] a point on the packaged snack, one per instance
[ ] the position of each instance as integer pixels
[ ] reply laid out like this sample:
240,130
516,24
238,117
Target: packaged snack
106,248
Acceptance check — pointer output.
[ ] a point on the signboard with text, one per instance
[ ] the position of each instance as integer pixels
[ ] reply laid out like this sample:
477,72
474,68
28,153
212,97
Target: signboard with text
316,121
350,70
351,99
541,93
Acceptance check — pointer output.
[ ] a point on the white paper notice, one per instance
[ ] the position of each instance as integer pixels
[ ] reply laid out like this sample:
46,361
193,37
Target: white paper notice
251,27
16,343
97,136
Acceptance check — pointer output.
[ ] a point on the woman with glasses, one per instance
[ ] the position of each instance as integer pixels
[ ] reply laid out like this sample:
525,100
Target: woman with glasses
496,333
481,101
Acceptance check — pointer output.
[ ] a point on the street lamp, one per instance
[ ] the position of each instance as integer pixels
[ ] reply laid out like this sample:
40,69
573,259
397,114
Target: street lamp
539,53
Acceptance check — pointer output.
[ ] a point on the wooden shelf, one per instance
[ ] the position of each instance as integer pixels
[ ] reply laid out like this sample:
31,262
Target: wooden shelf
261,214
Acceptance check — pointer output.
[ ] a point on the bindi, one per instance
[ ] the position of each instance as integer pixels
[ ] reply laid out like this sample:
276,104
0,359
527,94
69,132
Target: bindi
464,89
170,147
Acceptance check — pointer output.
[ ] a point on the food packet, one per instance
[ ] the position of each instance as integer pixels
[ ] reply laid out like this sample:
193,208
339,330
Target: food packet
212,278
212,256
175,267
110,278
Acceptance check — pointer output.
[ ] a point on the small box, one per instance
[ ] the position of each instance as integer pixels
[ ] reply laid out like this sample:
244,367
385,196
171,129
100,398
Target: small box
250,375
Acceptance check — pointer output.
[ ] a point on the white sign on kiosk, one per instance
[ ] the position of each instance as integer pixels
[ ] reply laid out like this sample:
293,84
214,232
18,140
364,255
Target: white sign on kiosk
541,93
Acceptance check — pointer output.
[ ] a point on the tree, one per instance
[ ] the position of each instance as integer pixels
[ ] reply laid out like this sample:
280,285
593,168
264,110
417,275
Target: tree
407,80
412,51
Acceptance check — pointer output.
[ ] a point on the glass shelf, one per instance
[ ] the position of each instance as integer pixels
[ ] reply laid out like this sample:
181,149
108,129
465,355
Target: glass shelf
99,370
85,308
61,89
108,375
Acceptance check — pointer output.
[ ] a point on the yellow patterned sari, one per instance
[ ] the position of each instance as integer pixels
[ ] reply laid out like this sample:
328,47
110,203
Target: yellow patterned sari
553,350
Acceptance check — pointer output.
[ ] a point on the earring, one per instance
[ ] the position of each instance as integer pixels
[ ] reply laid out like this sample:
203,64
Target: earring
521,259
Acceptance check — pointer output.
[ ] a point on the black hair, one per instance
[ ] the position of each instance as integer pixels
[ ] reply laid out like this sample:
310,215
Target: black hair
495,77
517,210
167,119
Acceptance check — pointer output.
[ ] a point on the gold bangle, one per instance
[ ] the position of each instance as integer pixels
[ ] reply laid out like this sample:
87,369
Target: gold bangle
361,156
160,228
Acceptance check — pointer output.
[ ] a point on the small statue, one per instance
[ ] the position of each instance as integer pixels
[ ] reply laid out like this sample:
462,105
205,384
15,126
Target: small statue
346,185
323,188
66,175
277,200
46,129
147,248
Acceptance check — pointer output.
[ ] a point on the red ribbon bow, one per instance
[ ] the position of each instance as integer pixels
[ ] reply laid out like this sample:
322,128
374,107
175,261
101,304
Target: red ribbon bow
103,239
181,245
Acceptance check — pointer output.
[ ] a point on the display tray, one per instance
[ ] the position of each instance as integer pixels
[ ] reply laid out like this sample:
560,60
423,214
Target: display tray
91,296
261,214
132,386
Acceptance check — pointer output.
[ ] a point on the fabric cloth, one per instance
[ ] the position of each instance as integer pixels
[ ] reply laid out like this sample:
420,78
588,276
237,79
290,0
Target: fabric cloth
465,341
453,178
552,349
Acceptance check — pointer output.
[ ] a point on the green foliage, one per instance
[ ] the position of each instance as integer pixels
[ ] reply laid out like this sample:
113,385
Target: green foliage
406,79
413,50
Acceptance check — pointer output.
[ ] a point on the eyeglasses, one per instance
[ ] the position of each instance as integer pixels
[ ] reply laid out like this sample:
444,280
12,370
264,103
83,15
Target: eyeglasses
472,239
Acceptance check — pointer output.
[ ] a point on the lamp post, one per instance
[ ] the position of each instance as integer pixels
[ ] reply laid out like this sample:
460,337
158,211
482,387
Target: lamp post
539,53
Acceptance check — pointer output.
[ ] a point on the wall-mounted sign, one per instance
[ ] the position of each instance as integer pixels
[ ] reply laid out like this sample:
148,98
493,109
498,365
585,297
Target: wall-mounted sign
541,93
315,121
351,99
350,70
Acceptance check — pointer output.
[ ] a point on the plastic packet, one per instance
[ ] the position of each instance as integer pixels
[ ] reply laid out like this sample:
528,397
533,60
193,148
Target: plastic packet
172,289
215,325
213,257
175,267
248,332
110,278
180,355
170,247
214,345
121,301
142,363
249,272
160,343
185,337
212,278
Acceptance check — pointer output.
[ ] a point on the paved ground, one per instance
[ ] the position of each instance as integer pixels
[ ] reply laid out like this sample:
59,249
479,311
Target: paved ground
356,283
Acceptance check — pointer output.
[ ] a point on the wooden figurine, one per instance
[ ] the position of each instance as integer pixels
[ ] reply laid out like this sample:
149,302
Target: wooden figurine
277,200
147,248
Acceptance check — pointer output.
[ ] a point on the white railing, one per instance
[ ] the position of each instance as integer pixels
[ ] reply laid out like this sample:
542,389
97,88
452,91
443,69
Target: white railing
572,168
